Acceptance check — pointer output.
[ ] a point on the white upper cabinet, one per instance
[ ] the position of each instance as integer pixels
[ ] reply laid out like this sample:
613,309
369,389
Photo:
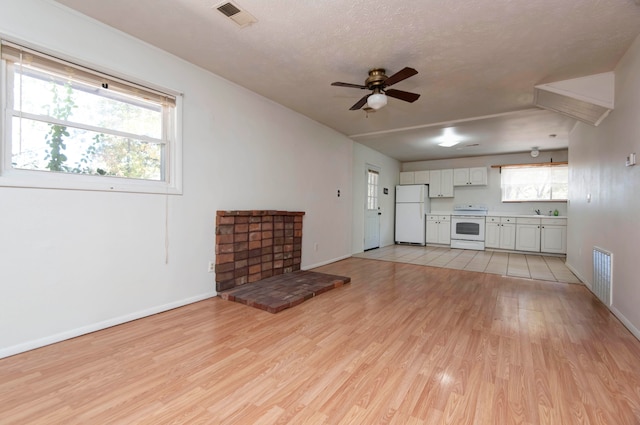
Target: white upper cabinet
460,176
407,177
476,176
414,177
441,183
421,177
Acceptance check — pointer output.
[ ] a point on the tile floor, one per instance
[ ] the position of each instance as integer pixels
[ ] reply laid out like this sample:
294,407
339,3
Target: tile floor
540,267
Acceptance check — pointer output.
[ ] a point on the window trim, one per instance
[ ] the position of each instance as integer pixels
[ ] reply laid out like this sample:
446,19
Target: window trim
376,195
40,179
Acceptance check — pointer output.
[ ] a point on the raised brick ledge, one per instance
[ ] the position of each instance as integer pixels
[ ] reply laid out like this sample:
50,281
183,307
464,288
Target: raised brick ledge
257,212
278,293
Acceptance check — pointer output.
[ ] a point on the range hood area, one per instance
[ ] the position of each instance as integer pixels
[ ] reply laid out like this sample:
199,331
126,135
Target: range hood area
587,99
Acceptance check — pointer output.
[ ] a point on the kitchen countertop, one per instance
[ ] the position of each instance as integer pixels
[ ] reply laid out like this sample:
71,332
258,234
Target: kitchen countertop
502,214
524,215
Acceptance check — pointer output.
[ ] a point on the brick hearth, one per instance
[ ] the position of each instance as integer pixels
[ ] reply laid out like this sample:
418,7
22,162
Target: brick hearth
252,245
278,293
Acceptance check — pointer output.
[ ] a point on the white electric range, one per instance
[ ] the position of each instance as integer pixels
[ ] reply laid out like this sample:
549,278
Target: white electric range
467,227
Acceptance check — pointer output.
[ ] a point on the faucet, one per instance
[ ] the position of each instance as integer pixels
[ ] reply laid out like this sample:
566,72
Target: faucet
537,212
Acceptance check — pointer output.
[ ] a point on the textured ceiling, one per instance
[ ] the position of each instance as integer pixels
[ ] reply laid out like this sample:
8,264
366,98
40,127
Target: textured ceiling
475,58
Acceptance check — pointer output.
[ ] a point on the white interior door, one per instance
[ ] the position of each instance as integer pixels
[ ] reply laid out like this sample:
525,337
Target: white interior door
372,209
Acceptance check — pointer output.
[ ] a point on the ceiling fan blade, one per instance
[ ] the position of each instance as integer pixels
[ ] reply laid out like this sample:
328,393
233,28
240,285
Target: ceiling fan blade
403,74
355,86
359,104
402,95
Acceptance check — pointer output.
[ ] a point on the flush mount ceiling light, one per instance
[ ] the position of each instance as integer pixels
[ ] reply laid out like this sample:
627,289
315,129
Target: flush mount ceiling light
535,152
449,138
377,100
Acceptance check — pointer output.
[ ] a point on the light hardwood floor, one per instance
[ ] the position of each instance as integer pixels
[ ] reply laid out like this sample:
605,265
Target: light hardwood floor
401,344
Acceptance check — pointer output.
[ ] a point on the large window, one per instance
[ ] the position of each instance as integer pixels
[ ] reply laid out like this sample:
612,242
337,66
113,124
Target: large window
69,126
549,182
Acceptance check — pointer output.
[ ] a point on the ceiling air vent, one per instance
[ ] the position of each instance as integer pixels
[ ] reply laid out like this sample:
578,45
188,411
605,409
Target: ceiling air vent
588,99
237,15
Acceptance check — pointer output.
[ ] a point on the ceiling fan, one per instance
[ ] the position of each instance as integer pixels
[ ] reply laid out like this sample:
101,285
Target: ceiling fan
378,83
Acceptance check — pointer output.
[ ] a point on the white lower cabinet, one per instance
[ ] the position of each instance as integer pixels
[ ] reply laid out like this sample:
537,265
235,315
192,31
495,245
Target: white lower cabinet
492,233
439,229
528,234
553,235
500,232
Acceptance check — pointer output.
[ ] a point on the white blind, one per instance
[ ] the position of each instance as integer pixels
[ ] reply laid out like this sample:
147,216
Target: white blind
26,57
535,183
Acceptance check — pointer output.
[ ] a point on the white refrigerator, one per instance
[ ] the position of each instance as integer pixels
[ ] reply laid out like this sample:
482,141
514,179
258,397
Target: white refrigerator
412,206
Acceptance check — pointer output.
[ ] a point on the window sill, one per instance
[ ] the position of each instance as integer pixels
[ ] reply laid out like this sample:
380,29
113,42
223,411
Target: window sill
536,200
48,180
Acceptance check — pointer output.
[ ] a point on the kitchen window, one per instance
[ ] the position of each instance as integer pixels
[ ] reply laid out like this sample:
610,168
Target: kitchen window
72,127
544,182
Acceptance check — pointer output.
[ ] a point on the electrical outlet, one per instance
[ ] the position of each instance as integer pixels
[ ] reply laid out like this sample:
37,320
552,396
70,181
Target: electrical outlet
315,246
212,267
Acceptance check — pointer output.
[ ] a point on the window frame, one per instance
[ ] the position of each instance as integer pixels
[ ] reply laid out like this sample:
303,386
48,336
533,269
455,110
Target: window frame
548,166
43,179
373,190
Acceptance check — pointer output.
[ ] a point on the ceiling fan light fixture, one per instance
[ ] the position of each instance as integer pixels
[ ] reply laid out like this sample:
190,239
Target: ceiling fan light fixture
377,101
378,82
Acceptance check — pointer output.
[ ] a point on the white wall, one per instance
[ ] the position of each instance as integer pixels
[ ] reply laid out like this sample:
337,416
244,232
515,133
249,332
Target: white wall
490,195
388,178
74,261
611,220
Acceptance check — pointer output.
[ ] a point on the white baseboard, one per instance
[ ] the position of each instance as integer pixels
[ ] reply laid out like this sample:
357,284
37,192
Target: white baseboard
575,272
72,333
324,263
625,322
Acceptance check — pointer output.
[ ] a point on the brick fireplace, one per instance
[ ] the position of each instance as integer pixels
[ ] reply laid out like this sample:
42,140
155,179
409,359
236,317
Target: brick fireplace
253,244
